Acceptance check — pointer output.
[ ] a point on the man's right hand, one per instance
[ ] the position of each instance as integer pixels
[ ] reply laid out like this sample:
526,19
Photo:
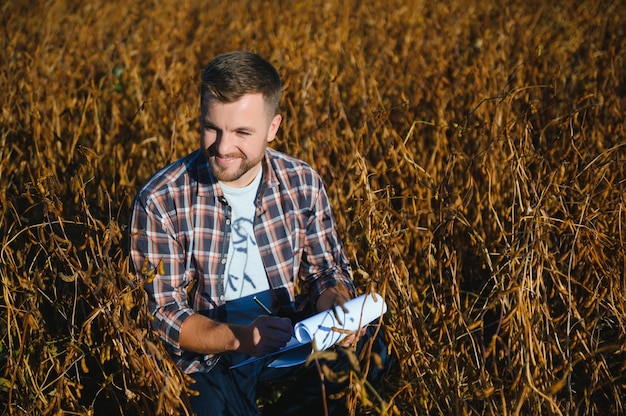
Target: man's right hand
264,335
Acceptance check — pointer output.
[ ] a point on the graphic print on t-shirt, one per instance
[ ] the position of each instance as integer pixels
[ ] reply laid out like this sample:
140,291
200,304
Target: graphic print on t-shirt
243,244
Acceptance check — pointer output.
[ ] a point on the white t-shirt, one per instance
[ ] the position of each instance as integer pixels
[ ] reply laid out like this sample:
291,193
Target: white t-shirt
245,272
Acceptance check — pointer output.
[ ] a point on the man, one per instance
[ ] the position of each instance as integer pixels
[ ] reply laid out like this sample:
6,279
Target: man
222,238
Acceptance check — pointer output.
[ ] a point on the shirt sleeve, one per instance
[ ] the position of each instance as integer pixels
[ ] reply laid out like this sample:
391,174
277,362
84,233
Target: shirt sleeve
325,263
158,259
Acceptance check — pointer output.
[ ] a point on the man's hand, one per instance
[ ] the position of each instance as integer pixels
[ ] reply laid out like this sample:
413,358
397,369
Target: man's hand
334,296
264,335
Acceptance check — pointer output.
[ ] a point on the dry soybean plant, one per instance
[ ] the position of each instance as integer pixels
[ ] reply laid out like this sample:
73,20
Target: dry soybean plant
474,153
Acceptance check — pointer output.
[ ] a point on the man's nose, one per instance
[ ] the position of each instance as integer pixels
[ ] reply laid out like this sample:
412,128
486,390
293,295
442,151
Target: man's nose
224,142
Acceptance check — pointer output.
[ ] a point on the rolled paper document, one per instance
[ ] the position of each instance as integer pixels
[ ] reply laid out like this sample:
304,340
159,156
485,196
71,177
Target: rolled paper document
324,329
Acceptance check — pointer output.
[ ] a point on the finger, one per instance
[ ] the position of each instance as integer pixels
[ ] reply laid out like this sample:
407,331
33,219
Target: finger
341,302
336,314
348,341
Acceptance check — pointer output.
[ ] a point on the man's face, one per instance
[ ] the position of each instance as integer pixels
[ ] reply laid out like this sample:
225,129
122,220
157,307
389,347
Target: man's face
234,137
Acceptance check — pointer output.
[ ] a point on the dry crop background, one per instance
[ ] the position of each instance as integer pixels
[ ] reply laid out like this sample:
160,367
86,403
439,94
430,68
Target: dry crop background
474,151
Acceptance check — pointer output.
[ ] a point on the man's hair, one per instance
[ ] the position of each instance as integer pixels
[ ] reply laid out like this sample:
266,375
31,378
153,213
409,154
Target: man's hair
230,76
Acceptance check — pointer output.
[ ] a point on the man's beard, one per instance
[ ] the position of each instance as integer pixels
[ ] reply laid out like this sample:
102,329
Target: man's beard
229,175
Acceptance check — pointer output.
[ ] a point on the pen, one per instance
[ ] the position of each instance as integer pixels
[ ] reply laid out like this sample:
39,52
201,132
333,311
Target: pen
262,305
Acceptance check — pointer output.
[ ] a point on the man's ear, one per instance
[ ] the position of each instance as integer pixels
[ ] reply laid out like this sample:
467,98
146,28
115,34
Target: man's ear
274,125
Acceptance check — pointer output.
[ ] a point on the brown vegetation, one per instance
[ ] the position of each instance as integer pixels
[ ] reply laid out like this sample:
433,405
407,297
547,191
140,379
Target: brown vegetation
474,152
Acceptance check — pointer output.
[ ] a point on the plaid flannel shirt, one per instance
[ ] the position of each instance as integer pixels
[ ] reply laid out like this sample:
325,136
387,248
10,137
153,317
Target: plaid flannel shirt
180,230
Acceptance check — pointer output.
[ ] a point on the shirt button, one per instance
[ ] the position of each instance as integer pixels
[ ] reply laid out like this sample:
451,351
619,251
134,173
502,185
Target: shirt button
222,298
228,222
223,261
